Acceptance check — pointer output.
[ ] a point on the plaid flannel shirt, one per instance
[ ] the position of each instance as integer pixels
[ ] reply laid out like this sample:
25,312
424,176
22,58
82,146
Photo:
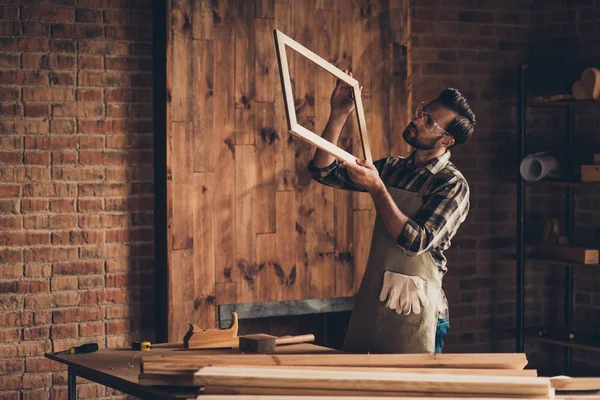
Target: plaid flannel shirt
446,200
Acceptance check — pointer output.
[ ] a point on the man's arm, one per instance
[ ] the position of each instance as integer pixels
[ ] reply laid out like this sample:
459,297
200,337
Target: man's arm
440,216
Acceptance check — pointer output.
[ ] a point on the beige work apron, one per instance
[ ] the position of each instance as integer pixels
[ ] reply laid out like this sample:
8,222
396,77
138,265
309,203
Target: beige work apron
375,328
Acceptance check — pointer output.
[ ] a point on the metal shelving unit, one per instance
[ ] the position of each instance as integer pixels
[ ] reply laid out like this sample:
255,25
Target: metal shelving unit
561,338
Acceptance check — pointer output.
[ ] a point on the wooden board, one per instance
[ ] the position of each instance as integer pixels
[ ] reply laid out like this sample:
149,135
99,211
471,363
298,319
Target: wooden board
567,253
351,394
224,92
478,360
590,173
566,383
372,381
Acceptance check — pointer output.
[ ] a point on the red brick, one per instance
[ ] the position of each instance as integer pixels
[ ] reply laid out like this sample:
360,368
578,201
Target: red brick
48,13
37,157
9,191
43,365
62,46
91,329
103,221
62,221
24,78
29,127
9,13
103,79
39,270
90,205
89,95
128,33
50,143
48,94
132,110
12,334
33,286
64,157
62,127
10,158
11,222
62,78
78,174
36,381
85,110
9,206
9,367
76,315
129,95
34,110
64,331
28,45
34,205
60,283
10,142
8,93
91,282
128,64
130,141
11,382
49,190
36,333
91,157
141,49
88,15
103,48
79,268
105,189
50,254
62,205
10,28
91,142
117,327
11,110
24,238
130,204
78,238
36,29
65,31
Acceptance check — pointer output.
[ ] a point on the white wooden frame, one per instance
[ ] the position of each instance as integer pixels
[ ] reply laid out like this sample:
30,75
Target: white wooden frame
282,40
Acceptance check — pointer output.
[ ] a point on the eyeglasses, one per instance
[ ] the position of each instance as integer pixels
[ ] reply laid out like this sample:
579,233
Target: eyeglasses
428,123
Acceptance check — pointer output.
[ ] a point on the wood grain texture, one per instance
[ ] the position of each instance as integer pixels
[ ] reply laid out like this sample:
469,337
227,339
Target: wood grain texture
243,213
203,106
204,194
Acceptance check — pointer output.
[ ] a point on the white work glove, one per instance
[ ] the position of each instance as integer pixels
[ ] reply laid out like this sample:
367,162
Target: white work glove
406,293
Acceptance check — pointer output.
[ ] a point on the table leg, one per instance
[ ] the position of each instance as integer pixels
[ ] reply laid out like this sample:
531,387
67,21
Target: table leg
71,383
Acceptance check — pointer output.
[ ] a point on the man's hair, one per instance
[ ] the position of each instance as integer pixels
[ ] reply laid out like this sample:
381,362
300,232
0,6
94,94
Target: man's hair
463,125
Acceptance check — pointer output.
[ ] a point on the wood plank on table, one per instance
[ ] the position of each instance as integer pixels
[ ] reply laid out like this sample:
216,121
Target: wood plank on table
447,360
567,383
399,382
204,295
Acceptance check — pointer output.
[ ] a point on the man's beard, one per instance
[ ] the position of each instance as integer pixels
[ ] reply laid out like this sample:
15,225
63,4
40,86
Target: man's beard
417,143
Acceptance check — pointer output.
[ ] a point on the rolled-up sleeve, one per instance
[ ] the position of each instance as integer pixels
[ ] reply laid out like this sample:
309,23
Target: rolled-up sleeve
438,220
335,176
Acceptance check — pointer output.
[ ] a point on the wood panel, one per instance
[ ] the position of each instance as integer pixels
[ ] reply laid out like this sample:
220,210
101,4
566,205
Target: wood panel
246,223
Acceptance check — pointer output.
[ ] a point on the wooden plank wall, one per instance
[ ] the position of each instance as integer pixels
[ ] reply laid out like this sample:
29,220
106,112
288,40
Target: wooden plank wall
245,221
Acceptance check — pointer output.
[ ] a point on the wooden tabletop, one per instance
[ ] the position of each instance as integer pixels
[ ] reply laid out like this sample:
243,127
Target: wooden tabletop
119,368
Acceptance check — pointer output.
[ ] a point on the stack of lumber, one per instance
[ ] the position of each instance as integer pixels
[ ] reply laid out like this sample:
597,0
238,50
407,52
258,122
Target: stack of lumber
497,375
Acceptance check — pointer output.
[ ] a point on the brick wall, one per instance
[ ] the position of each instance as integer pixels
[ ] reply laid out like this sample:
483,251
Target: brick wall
567,39
76,185
476,46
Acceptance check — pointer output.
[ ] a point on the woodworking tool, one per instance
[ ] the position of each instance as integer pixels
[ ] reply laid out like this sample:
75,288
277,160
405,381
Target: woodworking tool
262,343
198,338
141,346
84,348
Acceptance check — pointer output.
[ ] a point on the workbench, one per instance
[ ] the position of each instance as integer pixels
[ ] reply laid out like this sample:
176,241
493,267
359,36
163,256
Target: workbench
119,368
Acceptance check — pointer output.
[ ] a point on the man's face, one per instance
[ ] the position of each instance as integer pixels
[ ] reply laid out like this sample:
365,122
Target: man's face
422,133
